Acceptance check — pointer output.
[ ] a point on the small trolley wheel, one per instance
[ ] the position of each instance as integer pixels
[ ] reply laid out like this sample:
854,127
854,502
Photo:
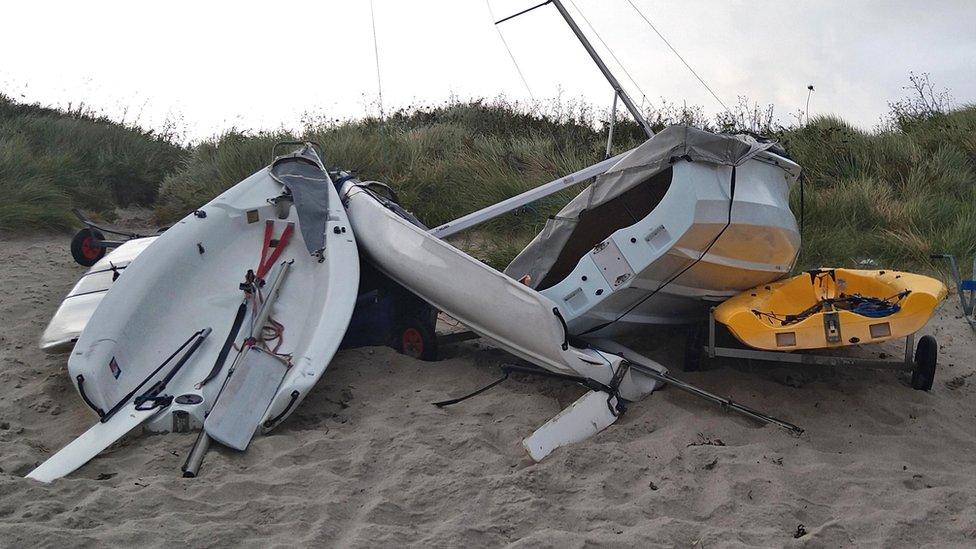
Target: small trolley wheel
926,355
417,340
83,248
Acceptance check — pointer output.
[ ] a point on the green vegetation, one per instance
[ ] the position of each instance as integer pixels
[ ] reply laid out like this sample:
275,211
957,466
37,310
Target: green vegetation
52,160
443,162
894,195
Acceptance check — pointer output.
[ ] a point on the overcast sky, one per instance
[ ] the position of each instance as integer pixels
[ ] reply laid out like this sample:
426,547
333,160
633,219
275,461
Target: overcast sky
254,66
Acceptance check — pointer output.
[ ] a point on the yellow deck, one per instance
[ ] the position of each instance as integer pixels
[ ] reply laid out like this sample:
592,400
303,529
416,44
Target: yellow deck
758,317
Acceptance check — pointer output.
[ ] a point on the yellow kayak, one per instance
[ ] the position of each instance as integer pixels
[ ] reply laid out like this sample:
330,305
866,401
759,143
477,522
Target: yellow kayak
829,308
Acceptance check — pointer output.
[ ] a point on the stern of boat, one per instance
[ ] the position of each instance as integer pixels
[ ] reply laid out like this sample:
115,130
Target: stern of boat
690,252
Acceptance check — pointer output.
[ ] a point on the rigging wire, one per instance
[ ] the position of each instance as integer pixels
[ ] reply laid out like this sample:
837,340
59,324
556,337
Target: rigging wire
376,56
525,82
613,55
665,40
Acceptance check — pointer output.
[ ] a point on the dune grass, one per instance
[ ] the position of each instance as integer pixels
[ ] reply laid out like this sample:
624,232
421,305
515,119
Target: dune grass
892,196
52,160
443,162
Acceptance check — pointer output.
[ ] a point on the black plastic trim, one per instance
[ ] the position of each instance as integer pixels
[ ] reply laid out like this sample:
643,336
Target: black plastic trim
272,421
81,389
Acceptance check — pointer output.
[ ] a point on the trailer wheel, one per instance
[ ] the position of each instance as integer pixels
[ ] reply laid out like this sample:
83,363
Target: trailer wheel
417,340
83,248
926,356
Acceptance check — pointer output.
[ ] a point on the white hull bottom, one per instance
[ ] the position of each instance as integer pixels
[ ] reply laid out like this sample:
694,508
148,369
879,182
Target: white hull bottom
687,253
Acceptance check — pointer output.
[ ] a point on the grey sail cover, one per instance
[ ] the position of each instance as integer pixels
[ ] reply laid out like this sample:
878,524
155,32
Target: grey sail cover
302,173
642,163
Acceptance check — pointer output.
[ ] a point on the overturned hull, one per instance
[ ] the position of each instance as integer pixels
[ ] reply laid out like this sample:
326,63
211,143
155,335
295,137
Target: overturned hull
515,317
512,315
682,234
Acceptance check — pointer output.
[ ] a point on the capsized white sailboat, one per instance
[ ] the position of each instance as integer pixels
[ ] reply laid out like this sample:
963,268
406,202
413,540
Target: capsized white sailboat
269,267
512,315
687,219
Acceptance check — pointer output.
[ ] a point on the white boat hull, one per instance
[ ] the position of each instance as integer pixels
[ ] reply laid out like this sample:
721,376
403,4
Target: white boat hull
512,315
190,281
77,307
686,254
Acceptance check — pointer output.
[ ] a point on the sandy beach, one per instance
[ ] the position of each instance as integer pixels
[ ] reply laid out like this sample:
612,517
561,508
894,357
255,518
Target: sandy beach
368,461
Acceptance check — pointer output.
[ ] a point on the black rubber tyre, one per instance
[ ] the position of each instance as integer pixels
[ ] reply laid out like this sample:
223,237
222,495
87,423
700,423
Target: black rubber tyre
83,249
926,356
417,340
694,343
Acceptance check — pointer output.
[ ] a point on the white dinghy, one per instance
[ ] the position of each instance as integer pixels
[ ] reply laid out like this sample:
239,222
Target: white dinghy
512,315
684,221
231,281
77,307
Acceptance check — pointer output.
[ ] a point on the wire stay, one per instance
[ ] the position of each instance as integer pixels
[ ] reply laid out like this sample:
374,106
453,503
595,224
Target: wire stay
613,55
505,42
376,56
686,64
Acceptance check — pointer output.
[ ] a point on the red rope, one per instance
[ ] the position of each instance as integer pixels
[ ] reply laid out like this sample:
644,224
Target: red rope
273,332
267,261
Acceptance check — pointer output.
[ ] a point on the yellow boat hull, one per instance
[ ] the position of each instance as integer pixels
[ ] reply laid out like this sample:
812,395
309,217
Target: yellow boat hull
808,311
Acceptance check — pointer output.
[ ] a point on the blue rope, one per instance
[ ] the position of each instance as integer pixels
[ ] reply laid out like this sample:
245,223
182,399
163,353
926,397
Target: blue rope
873,307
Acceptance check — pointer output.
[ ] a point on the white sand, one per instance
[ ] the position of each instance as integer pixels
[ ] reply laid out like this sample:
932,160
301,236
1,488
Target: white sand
368,461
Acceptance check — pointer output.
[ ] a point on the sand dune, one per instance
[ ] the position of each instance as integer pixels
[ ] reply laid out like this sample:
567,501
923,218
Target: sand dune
367,461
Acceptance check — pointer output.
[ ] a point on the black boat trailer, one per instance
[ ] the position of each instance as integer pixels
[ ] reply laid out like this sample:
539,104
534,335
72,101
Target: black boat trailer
89,244
922,364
